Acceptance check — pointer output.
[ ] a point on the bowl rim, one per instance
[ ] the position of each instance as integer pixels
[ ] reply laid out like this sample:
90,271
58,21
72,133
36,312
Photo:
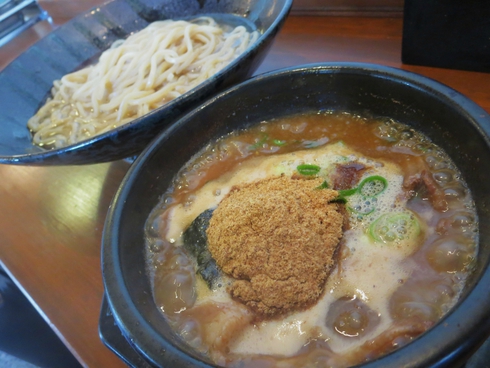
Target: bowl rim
45,157
470,318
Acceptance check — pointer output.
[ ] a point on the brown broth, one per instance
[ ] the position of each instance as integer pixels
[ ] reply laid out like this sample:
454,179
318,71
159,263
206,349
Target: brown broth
440,265
300,132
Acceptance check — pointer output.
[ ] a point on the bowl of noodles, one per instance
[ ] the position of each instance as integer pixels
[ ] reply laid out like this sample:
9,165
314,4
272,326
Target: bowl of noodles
101,86
336,217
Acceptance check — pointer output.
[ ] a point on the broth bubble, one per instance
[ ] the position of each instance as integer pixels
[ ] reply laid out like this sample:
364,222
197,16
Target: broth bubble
443,177
450,254
455,193
351,317
175,292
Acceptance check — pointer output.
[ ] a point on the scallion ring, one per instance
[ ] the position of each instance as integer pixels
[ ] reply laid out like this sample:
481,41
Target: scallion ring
308,169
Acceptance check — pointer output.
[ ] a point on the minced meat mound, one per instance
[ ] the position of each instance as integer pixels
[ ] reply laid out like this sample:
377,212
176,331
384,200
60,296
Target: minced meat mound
277,237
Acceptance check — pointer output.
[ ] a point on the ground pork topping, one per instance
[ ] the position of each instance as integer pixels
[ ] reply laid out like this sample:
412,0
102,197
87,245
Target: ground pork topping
277,237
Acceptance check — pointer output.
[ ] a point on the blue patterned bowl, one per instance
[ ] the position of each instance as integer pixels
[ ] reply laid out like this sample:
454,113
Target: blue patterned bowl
25,83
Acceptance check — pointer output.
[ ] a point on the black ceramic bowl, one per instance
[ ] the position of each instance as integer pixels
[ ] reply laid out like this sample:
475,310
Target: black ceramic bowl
451,120
25,83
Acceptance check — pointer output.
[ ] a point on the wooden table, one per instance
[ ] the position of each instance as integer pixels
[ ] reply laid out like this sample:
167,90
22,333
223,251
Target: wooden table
51,219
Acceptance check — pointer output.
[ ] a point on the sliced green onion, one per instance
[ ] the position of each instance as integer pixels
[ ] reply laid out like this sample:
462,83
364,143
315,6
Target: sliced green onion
391,228
323,185
372,186
308,169
347,192
364,201
278,142
260,143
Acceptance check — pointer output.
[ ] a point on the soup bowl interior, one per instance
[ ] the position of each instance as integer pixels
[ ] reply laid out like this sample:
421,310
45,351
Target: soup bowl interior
25,83
451,120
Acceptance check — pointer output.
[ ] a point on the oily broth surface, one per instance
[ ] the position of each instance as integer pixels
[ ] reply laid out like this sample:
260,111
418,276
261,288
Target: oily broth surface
350,323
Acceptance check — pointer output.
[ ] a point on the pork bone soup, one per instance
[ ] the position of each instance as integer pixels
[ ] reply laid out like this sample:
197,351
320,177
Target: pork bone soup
325,238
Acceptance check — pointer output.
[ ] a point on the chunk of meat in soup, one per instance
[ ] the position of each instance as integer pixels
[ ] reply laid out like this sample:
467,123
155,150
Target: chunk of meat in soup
218,324
424,184
346,176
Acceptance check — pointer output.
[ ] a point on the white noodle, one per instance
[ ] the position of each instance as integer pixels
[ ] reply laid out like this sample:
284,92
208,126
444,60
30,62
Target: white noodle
135,76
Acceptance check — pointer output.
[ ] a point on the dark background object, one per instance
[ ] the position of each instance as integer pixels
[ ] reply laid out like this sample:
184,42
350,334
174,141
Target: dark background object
25,335
451,34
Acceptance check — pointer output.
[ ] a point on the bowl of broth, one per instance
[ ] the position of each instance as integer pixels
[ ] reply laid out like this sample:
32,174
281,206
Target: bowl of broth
100,87
321,215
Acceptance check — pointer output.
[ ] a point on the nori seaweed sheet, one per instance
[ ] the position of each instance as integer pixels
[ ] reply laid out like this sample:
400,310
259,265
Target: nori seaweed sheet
196,243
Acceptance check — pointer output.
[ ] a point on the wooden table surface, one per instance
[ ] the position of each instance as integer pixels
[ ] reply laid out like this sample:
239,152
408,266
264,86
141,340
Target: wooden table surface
51,218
